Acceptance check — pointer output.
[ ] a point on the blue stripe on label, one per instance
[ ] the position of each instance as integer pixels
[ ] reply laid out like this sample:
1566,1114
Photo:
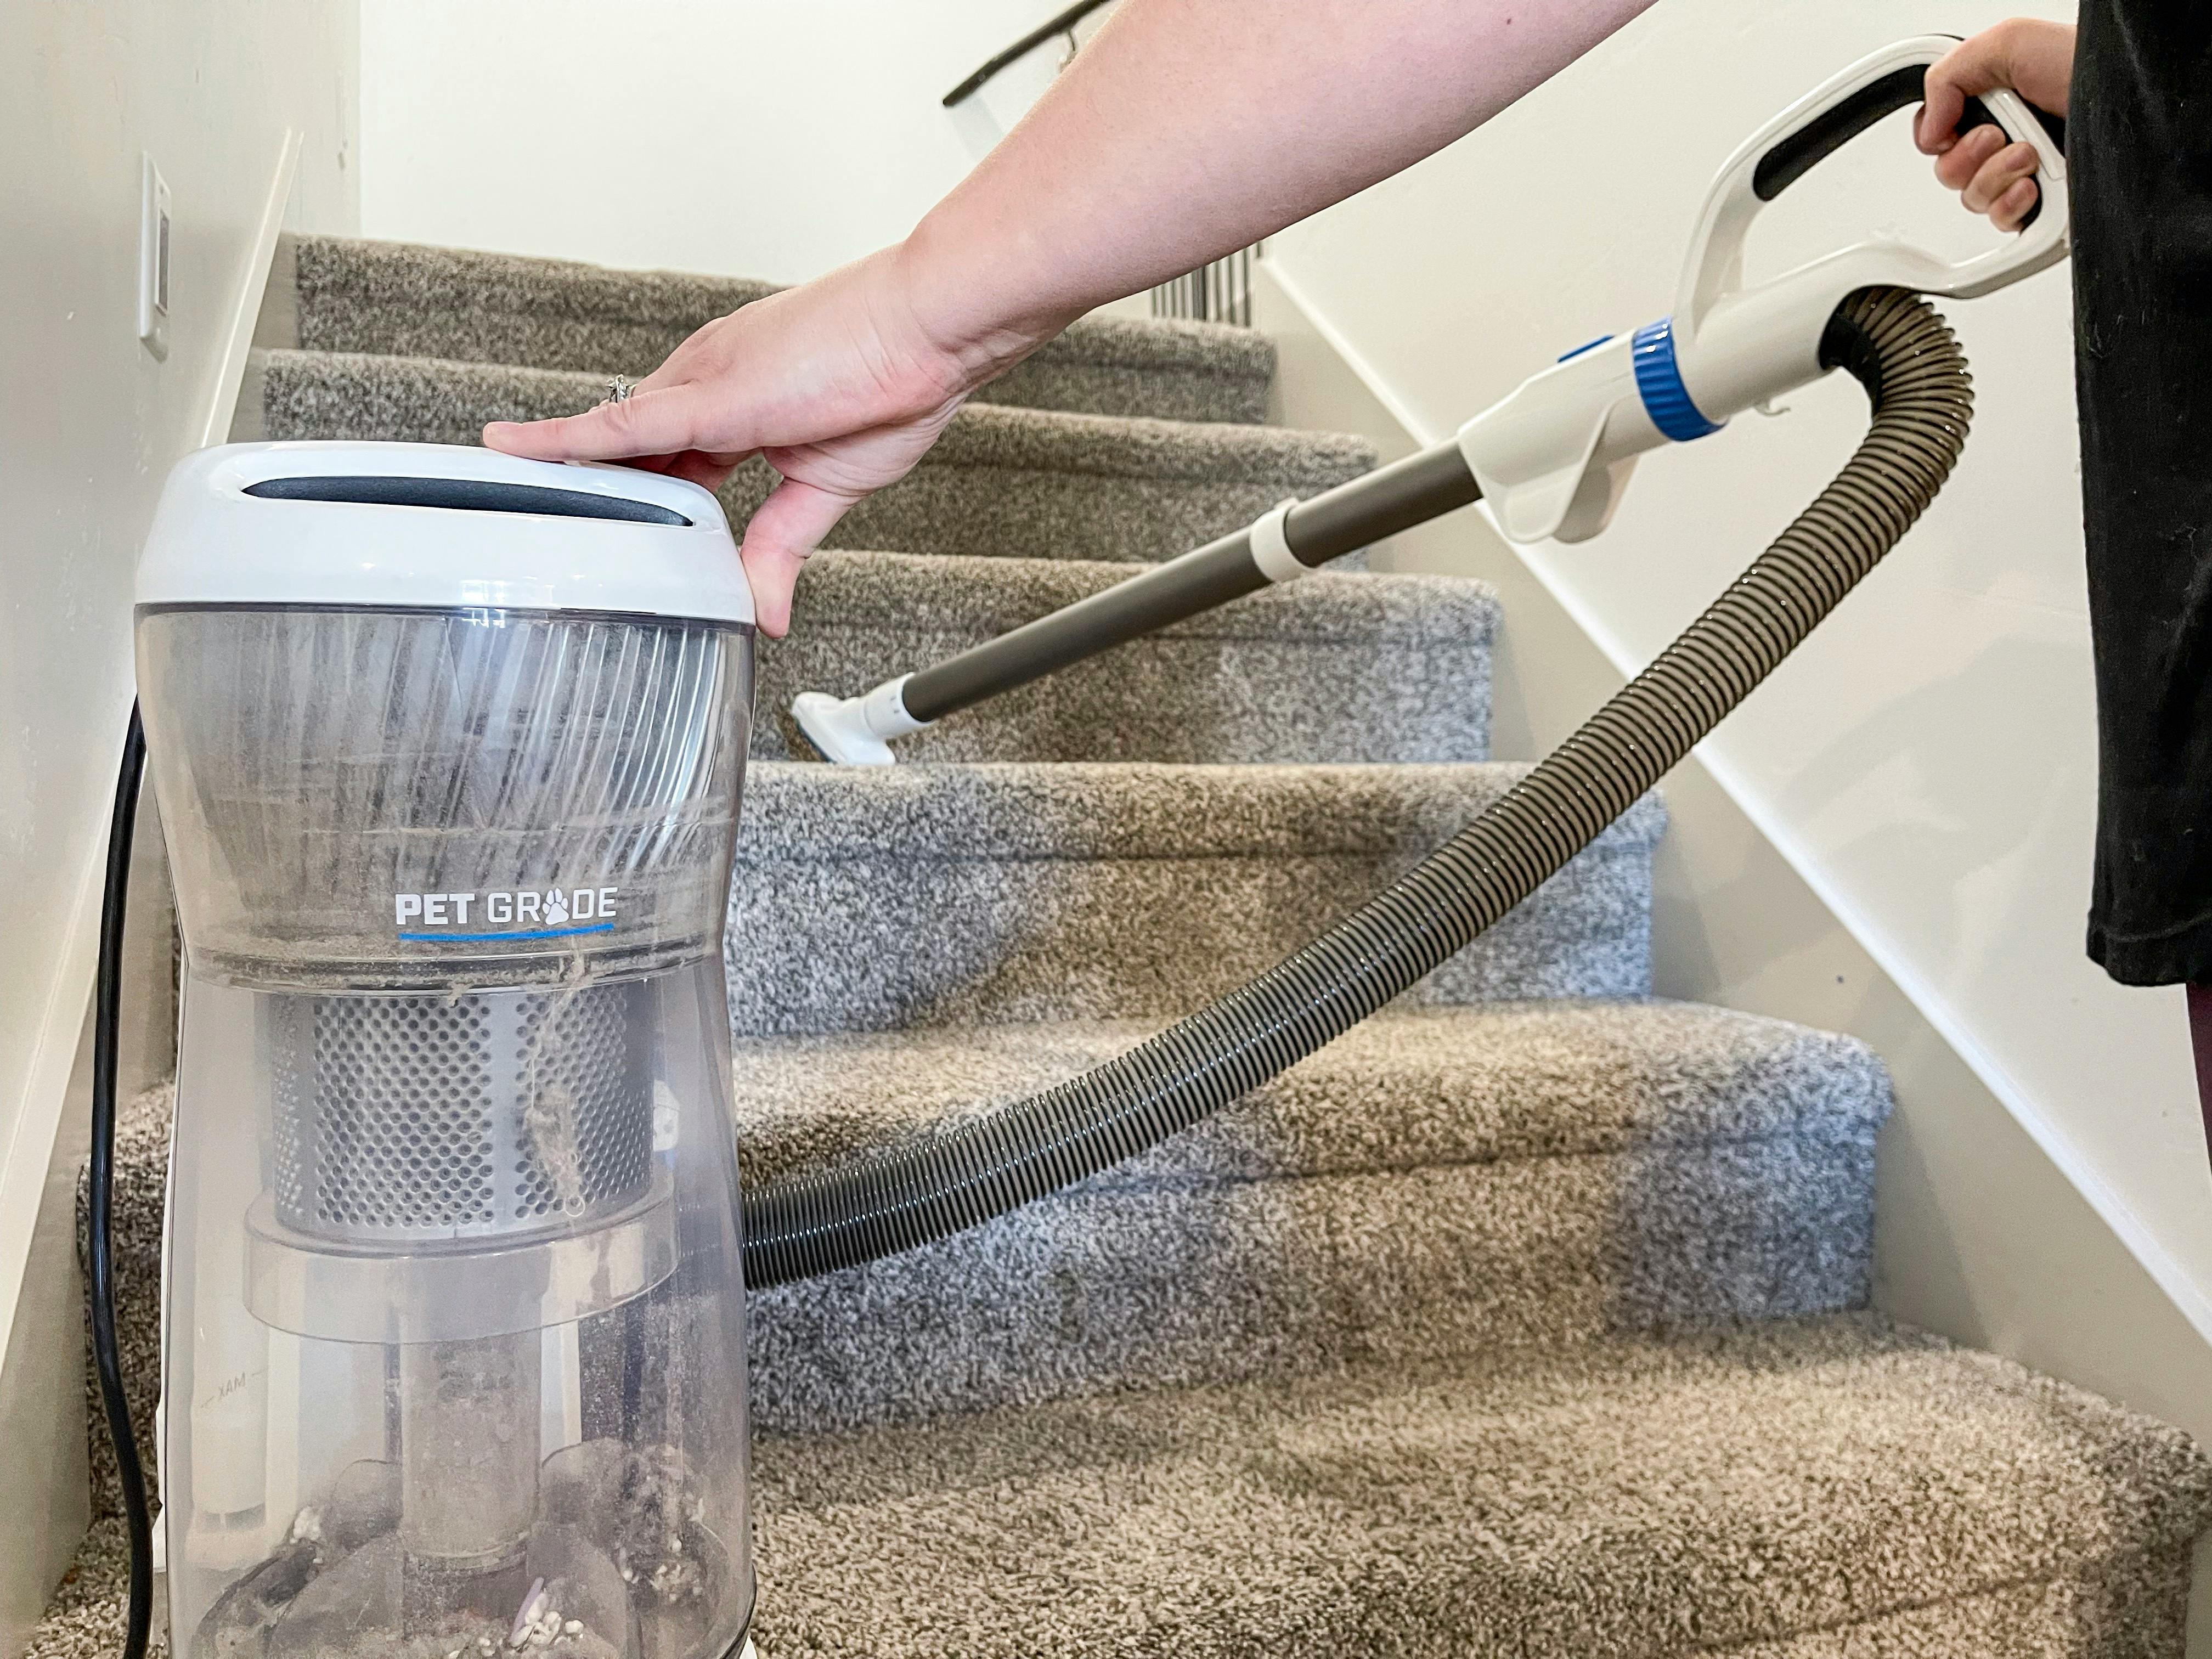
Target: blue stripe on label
490,938
1587,345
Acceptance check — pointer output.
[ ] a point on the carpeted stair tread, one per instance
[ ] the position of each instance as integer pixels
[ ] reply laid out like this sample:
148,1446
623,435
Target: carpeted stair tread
85,1619
867,898
1406,1090
1021,482
1027,481
1437,1182
1087,810
1789,1486
404,300
1337,667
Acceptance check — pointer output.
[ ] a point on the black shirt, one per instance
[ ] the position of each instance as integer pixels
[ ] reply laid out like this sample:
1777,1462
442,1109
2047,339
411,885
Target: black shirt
2139,140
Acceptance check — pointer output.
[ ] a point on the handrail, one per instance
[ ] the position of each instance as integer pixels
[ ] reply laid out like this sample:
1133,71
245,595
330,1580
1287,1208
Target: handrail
1022,48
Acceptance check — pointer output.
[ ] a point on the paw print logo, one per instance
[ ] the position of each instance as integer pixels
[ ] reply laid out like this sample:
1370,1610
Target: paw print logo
556,909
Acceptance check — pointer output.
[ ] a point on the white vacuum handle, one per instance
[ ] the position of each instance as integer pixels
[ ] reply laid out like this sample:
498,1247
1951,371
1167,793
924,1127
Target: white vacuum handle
1553,456
1735,346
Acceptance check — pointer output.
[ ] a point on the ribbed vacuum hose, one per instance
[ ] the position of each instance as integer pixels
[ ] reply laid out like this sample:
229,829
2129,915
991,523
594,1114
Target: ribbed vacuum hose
1904,353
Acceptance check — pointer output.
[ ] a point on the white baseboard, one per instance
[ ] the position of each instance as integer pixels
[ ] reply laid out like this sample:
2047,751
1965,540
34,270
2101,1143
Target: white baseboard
222,404
44,1468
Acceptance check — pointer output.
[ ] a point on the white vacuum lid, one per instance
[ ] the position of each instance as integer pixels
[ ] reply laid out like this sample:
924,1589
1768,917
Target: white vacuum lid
437,527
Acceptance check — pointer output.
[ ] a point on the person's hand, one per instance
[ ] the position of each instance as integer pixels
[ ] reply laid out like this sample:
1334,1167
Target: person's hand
1994,175
837,385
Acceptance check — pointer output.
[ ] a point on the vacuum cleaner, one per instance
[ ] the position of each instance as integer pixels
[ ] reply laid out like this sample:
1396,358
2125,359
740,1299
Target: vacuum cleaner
450,750
450,747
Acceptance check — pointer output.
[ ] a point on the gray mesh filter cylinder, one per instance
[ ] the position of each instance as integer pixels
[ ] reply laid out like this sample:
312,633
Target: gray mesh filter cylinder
402,1120
1904,355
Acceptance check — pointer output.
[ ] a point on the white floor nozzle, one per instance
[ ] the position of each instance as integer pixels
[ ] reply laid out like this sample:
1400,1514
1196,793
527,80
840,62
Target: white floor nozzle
855,731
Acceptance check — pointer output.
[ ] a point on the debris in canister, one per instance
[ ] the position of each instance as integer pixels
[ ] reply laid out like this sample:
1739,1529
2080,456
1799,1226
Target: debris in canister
528,1615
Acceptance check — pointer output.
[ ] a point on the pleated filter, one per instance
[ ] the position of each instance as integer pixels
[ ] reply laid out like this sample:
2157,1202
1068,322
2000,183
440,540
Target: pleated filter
377,799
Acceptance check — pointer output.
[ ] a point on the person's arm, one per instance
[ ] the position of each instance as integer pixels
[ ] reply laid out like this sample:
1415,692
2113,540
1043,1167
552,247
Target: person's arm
1186,129
1992,174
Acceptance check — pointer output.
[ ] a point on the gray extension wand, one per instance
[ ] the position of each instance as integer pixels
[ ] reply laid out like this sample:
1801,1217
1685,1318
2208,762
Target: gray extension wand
1552,457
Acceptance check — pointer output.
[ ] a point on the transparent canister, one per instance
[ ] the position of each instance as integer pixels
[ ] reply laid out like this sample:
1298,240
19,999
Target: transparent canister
455,1330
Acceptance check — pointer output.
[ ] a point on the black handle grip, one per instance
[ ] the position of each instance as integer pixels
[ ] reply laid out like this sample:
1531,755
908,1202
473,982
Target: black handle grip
1793,157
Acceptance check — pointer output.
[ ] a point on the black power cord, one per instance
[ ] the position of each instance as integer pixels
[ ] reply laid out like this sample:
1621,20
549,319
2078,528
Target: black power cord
105,1040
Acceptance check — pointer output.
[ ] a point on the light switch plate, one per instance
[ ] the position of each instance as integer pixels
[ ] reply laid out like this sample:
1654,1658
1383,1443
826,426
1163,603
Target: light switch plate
154,237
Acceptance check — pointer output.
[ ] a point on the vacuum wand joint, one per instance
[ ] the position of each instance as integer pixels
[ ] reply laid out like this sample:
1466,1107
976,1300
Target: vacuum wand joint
1289,540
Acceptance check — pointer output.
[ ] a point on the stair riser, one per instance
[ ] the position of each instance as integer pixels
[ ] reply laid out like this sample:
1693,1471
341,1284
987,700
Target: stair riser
1021,513
957,500
1205,701
468,333
1166,394
2136,1608
874,943
1178,1285
832,1592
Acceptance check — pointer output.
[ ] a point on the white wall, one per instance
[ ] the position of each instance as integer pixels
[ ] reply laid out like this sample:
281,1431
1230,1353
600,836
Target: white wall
219,92
1928,760
746,137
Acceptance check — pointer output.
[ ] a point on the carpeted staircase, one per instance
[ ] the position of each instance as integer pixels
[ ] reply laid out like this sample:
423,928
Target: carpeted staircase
1528,1319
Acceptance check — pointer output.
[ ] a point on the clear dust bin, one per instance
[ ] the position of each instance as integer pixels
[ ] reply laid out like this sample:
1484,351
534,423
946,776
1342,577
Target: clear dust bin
450,749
